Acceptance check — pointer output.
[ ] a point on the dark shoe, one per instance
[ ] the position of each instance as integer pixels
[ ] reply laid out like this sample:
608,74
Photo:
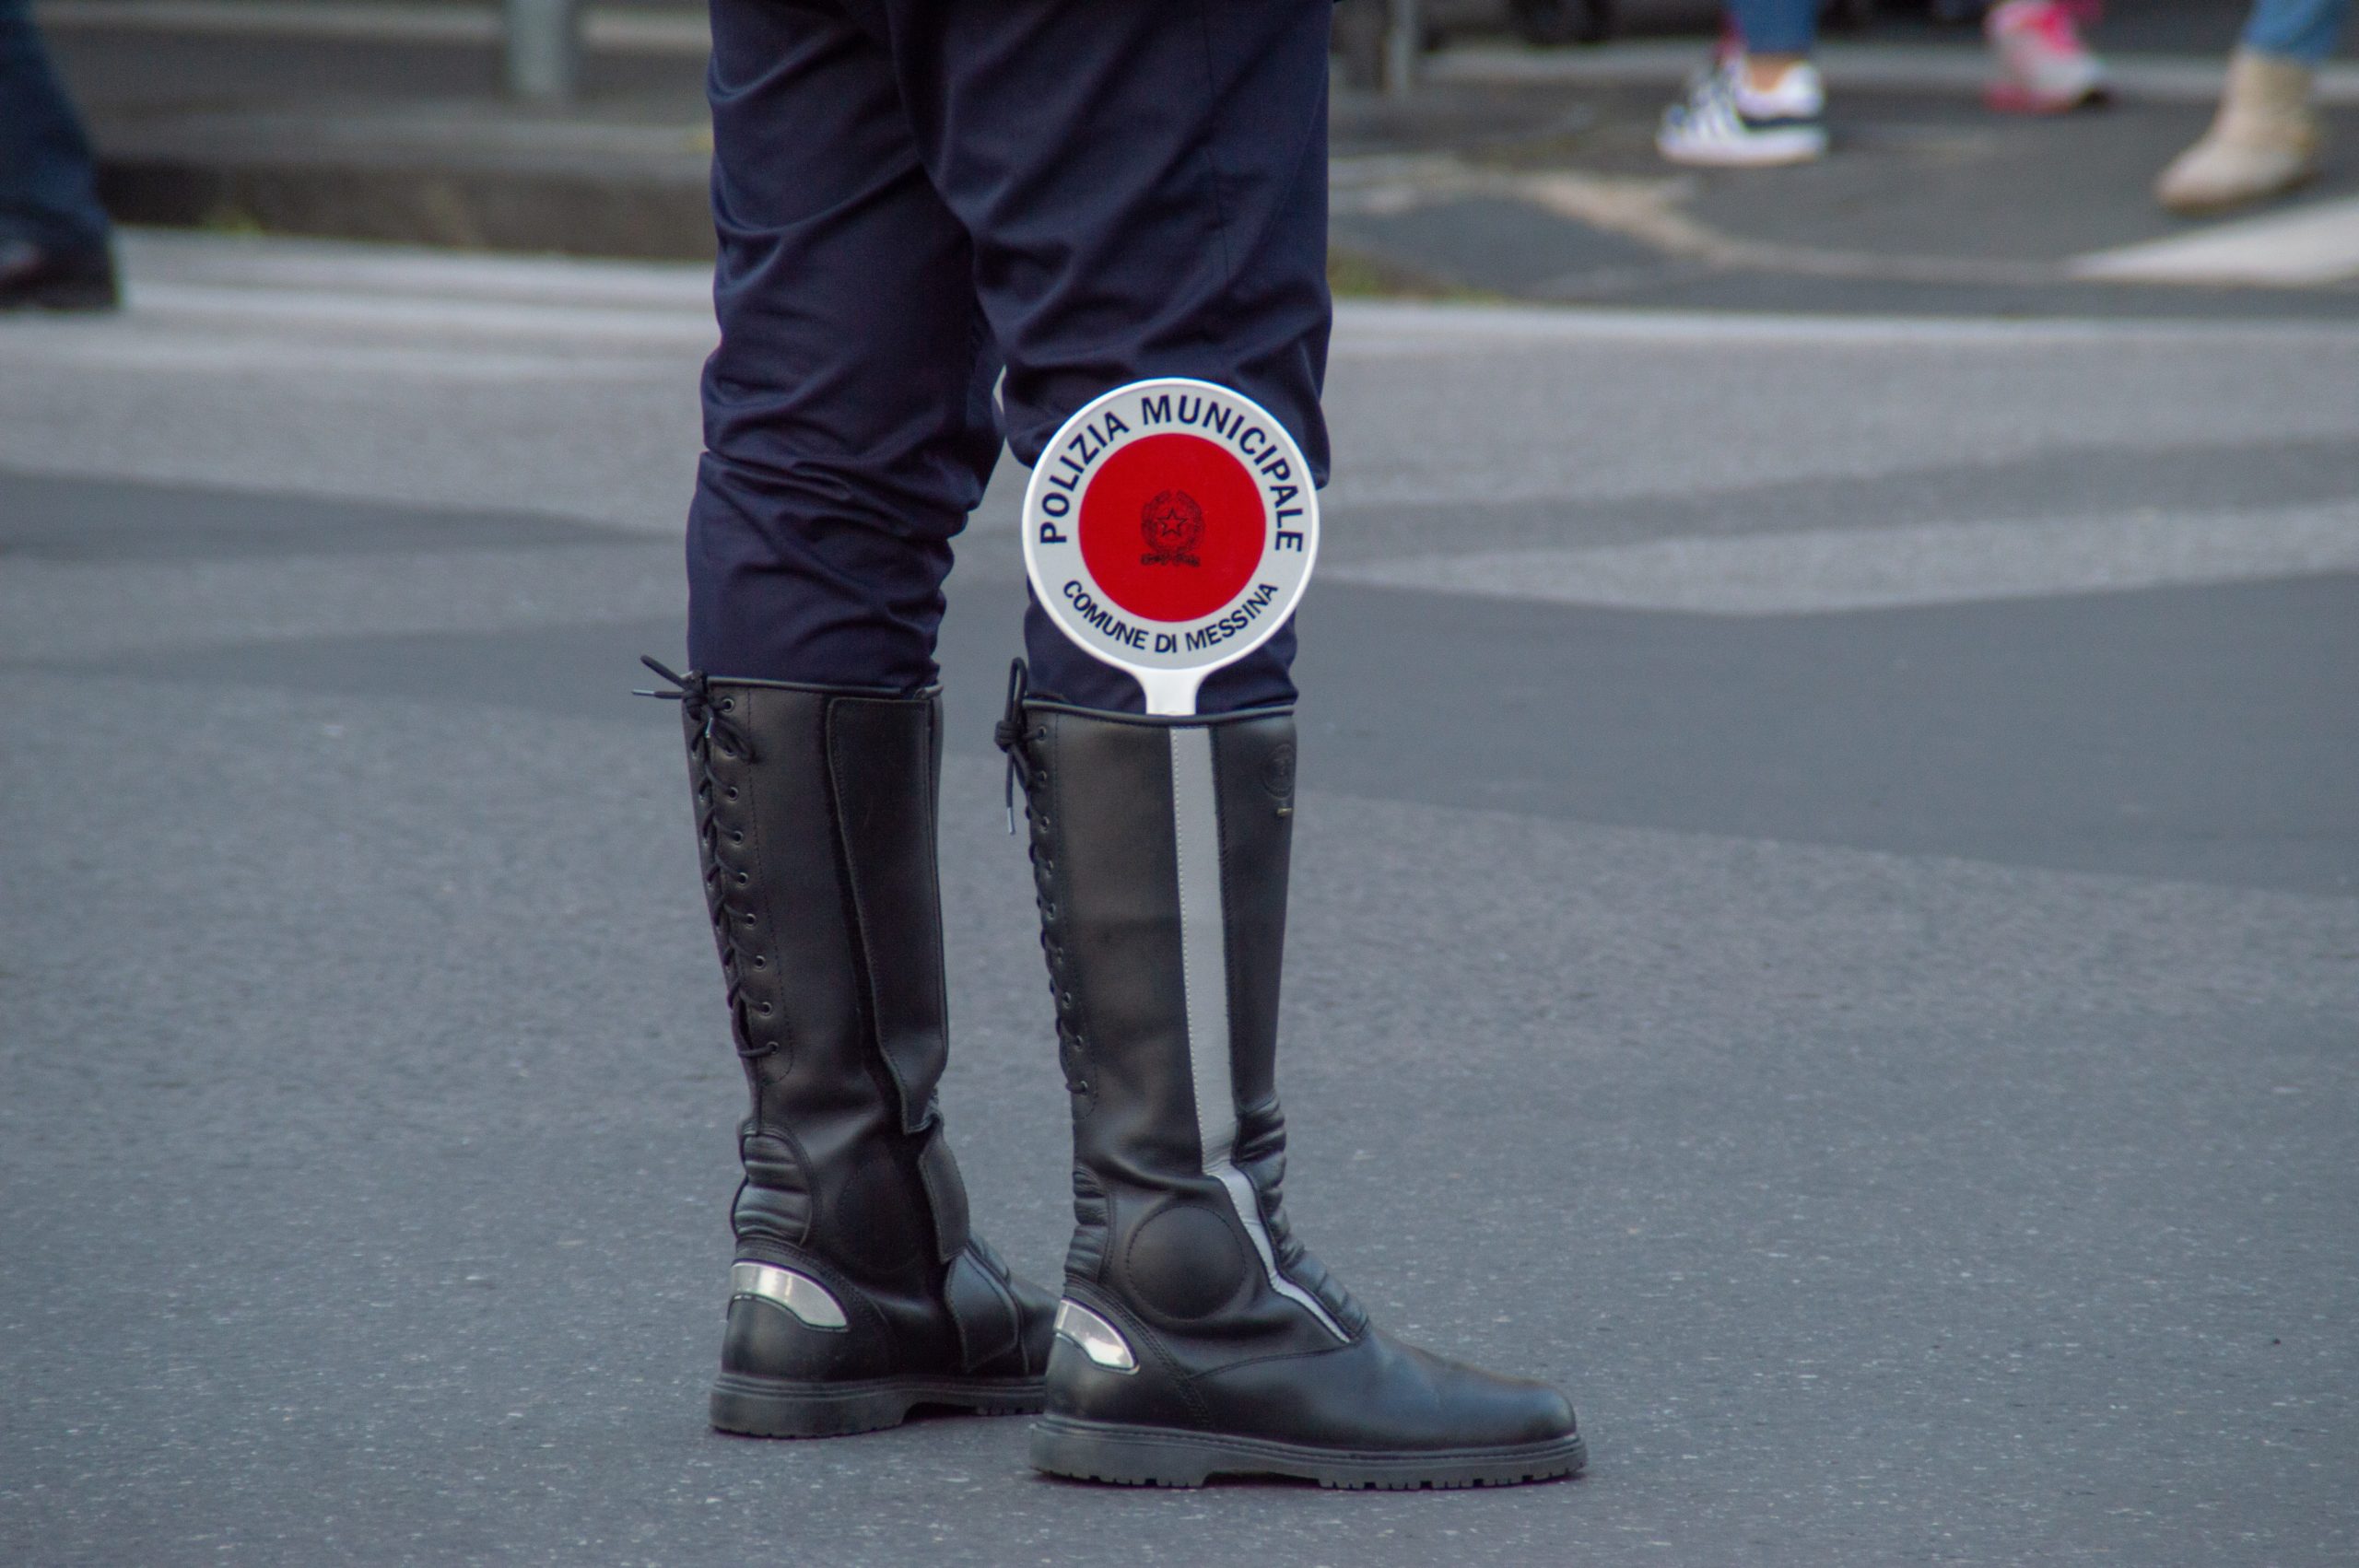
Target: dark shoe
858,1292
40,278
1197,1336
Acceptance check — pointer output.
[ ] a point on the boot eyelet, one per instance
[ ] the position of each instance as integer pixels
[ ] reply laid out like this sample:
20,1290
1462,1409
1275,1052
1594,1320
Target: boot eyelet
742,878
727,703
733,792
764,1009
760,962
735,836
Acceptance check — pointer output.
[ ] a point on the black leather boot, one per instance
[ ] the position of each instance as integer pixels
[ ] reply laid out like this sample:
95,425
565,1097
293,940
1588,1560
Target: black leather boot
858,1292
1196,1336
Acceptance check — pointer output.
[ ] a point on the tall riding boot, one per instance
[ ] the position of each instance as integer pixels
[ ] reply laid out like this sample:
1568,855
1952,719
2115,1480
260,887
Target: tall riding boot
1196,1335
858,1292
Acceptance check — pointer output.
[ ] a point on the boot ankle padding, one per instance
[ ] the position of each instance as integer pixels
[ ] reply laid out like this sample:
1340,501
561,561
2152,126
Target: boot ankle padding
983,1308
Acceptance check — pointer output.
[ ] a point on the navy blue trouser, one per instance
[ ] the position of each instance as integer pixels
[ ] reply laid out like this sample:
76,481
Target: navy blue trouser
47,181
914,195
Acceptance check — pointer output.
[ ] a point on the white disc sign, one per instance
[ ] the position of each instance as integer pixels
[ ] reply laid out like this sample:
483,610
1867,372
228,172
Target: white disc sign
1168,530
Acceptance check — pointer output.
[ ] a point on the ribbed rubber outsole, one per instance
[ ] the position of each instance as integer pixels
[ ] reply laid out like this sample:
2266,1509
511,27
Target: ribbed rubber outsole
1148,1456
773,1407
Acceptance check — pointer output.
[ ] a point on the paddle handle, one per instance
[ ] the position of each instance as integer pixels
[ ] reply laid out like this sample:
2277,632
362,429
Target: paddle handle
1170,692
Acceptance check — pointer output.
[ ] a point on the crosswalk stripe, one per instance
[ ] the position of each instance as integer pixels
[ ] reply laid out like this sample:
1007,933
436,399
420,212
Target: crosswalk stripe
2310,245
1839,570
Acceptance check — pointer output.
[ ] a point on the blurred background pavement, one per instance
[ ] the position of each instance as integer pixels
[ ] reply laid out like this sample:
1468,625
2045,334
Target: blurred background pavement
1508,171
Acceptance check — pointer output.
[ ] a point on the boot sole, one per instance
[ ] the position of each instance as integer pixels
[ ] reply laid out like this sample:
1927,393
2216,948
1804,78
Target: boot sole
1148,1456
774,1407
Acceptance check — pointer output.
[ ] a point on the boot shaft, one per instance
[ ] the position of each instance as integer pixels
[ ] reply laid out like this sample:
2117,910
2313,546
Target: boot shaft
815,822
1161,853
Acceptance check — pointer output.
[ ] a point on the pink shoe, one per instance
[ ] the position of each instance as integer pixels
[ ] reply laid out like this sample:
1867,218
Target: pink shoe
2044,68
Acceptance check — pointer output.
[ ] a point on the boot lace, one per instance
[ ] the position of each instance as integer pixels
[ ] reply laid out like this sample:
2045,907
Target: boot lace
1008,735
716,740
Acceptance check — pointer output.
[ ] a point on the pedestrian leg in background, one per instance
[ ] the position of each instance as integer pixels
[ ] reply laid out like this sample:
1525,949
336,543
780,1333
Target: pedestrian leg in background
848,429
1145,183
2266,138
54,235
1760,101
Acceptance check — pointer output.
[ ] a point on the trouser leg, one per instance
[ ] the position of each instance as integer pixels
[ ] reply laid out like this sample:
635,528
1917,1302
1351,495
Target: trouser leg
849,418
907,191
2305,30
48,179
1776,26
1145,183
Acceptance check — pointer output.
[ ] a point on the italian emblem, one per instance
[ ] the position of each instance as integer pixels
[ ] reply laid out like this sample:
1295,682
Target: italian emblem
1172,522
1169,528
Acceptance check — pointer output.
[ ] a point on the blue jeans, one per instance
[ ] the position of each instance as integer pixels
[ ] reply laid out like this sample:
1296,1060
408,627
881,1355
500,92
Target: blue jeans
48,182
1776,26
911,196
2305,30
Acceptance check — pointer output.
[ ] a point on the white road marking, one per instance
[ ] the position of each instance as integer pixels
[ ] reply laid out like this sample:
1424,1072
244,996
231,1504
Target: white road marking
1383,329
317,281
1838,569
71,609
2310,245
134,343
401,312
242,361
169,256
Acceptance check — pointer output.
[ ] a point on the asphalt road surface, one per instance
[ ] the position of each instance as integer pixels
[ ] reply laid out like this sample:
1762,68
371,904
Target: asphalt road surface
1827,921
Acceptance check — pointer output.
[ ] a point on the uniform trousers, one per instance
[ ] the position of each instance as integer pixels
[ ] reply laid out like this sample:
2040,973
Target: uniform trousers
48,179
943,228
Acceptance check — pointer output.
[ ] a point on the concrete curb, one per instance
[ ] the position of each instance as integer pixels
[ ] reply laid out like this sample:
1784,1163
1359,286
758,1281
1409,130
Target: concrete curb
637,216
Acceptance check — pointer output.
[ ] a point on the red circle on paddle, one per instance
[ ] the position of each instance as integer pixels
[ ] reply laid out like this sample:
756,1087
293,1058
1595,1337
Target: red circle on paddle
1172,527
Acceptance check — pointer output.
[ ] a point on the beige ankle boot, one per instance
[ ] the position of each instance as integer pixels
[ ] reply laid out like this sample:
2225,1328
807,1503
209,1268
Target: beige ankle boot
2264,140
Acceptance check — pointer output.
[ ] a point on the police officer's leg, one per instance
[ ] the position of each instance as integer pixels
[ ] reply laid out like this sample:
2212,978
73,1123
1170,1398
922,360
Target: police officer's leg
848,427
1145,183
1147,187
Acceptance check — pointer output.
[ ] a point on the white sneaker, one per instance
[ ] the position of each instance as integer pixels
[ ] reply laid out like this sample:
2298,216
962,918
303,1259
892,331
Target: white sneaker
1723,124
